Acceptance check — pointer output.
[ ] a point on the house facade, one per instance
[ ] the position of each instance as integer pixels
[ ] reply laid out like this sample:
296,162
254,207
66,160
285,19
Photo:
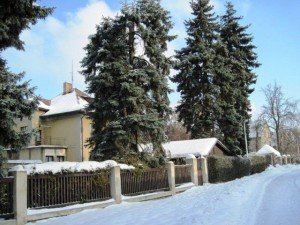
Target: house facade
260,136
61,129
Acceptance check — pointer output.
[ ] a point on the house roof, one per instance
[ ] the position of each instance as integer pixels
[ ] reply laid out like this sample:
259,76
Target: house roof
43,106
267,149
66,103
197,147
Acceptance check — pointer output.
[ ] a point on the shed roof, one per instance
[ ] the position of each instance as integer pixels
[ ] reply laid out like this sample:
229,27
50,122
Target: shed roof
267,149
197,147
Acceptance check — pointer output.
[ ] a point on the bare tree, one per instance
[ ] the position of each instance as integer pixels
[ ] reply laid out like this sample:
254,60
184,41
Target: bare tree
279,112
175,131
255,126
290,141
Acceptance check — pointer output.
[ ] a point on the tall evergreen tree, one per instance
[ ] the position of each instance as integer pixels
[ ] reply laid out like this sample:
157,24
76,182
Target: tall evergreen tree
228,120
195,63
15,96
243,60
126,71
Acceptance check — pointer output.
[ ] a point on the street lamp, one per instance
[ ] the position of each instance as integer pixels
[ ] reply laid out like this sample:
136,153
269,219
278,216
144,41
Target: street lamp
246,142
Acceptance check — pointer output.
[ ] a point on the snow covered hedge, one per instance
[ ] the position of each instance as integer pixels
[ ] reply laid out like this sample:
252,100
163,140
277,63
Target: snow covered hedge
259,163
227,168
72,167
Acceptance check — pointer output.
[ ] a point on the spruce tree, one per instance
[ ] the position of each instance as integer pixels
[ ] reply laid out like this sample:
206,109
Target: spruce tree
228,120
195,62
130,90
16,97
243,60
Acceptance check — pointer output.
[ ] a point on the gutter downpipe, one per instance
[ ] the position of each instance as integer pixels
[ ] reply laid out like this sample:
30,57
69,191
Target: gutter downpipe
81,135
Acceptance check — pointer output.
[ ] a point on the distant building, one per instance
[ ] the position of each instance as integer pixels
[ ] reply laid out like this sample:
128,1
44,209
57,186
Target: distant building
62,128
259,136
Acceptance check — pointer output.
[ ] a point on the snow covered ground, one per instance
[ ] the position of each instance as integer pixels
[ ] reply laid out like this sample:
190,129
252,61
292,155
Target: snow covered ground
269,198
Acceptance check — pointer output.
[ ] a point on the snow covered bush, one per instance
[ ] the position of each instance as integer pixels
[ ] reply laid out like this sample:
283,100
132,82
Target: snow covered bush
73,167
259,163
227,168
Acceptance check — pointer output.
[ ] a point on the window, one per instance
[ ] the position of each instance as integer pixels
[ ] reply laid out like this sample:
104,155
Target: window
38,136
49,158
23,129
60,158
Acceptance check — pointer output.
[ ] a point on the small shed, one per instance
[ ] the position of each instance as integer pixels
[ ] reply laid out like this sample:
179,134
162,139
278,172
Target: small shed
197,147
266,150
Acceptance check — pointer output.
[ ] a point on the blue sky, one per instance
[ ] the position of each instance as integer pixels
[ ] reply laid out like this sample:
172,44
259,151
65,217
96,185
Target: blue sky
53,44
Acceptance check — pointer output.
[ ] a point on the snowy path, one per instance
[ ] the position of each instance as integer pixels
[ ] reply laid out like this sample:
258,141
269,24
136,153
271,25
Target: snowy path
257,199
282,204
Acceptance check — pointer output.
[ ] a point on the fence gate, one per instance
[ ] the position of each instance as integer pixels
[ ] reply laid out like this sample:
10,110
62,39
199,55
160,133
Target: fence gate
200,178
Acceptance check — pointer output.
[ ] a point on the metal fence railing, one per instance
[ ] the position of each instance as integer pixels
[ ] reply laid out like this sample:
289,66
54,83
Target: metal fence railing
139,182
6,197
64,189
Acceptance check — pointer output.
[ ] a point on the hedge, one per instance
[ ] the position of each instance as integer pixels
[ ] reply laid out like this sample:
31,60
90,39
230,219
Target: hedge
227,168
296,160
259,163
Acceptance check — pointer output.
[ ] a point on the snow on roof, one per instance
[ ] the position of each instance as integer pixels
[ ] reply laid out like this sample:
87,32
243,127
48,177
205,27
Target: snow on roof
23,161
197,147
42,105
66,103
60,167
267,149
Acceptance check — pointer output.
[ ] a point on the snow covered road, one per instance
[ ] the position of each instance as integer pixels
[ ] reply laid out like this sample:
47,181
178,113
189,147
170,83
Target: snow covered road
272,197
281,202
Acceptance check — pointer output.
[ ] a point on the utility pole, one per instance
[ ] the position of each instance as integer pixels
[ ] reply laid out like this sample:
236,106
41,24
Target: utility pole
72,75
246,142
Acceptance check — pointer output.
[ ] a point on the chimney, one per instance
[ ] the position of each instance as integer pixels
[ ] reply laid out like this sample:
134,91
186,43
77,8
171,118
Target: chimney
67,88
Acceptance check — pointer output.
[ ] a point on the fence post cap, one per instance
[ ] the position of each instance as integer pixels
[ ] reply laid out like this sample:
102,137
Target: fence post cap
117,167
170,162
190,156
17,168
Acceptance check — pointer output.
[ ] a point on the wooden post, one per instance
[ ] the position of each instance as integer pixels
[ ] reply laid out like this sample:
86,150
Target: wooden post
115,184
20,195
171,177
194,170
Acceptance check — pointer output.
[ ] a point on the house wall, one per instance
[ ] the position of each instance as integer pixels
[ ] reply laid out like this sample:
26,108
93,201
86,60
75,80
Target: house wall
70,130
40,153
217,151
31,124
263,137
65,131
36,154
86,134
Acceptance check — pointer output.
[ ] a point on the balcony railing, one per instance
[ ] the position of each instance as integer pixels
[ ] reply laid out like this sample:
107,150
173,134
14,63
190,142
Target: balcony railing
48,140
